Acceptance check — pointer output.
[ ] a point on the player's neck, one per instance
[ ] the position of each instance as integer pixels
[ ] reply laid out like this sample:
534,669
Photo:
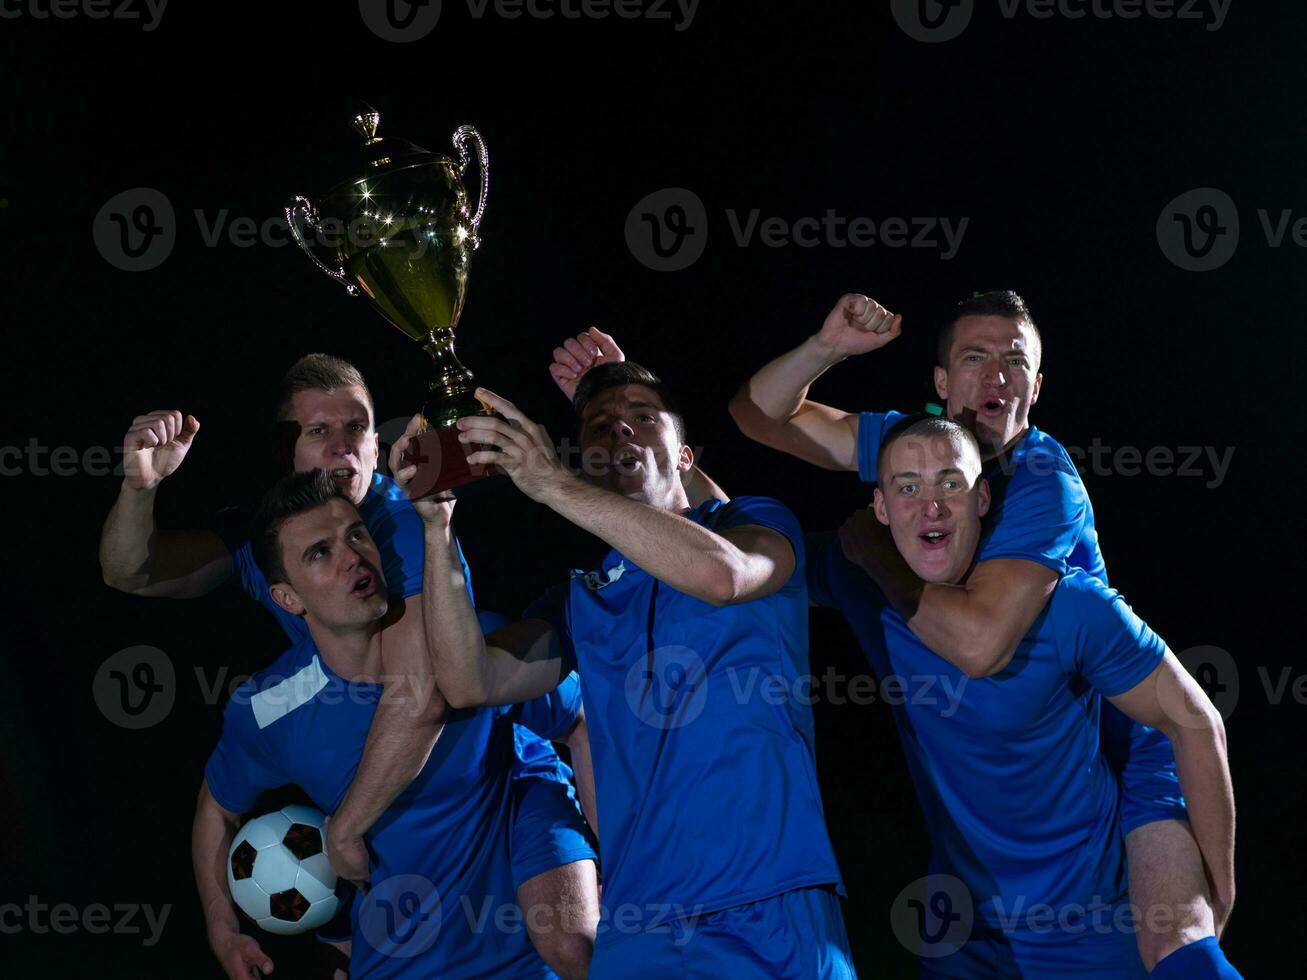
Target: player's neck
353,653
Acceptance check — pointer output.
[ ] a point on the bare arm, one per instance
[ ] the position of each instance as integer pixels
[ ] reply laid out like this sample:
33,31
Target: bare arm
578,744
975,626
137,557
404,730
773,407
699,486
735,566
211,837
1172,702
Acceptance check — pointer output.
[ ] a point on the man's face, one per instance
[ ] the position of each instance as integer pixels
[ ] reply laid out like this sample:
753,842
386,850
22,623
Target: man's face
993,371
336,435
932,497
629,443
332,567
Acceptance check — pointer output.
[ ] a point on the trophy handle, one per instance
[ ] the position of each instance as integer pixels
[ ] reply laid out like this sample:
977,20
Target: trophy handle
302,205
461,137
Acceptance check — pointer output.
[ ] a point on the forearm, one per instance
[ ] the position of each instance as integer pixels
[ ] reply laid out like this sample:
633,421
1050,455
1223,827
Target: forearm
127,540
1201,763
454,640
398,746
578,744
779,389
684,555
211,837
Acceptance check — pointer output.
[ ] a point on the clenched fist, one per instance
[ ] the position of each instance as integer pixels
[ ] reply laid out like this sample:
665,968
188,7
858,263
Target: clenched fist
155,446
858,324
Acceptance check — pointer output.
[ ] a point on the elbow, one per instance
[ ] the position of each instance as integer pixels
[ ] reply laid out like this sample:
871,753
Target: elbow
464,695
752,422
983,660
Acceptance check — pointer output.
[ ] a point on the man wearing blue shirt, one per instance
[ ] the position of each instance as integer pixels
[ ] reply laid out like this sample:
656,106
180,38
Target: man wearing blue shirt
325,419
1024,810
989,358
442,849
716,858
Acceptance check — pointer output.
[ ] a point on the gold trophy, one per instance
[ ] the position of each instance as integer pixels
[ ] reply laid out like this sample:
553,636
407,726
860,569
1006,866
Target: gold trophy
402,234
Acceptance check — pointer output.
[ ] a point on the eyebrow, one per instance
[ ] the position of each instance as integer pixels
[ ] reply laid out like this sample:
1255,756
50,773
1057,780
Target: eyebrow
604,413
908,474
969,349
322,541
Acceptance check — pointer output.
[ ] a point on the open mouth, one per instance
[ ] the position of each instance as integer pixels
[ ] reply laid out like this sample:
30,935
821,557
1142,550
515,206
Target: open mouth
364,587
993,407
342,474
626,460
934,539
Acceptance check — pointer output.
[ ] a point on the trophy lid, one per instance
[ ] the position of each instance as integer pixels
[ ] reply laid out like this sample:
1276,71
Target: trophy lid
383,153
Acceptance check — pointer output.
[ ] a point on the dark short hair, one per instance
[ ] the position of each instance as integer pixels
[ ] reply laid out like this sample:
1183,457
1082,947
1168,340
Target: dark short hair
999,302
619,374
312,372
289,497
924,425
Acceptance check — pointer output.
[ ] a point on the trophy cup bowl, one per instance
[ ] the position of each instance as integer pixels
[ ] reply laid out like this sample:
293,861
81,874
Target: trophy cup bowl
402,235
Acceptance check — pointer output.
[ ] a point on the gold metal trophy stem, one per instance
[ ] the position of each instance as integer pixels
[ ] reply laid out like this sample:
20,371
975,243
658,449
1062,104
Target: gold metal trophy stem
452,391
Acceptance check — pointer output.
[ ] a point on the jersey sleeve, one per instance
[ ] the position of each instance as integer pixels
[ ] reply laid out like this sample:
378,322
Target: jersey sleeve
552,715
241,768
552,608
1040,516
1111,647
872,427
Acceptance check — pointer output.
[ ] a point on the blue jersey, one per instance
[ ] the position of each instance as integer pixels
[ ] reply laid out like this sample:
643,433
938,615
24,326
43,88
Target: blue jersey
450,829
707,790
1018,800
1040,512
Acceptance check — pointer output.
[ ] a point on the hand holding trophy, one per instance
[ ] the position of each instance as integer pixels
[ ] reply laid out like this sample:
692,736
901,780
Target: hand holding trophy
402,235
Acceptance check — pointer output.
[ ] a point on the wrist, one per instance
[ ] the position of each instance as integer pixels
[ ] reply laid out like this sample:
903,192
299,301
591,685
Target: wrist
140,496
820,354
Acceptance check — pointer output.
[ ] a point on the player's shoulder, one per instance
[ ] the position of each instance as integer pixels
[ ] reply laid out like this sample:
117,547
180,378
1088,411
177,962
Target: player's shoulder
386,494
1039,454
294,677
1082,604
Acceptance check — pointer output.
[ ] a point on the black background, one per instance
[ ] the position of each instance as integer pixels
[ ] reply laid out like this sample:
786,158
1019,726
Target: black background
1061,140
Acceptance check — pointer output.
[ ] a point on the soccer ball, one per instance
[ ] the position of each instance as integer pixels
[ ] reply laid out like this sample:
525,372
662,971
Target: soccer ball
278,871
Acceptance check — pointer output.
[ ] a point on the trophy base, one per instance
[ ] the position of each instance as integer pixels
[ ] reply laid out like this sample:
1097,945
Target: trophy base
442,463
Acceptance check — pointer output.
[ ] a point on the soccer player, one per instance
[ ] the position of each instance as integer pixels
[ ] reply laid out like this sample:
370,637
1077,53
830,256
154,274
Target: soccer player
325,418
716,858
988,372
1019,802
443,875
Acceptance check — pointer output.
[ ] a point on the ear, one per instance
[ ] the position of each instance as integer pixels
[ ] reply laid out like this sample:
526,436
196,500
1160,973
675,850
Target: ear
982,503
376,444
941,382
878,505
1034,391
285,597
686,460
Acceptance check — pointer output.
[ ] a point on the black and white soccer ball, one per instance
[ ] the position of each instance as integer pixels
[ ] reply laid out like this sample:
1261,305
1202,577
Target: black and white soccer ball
278,871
